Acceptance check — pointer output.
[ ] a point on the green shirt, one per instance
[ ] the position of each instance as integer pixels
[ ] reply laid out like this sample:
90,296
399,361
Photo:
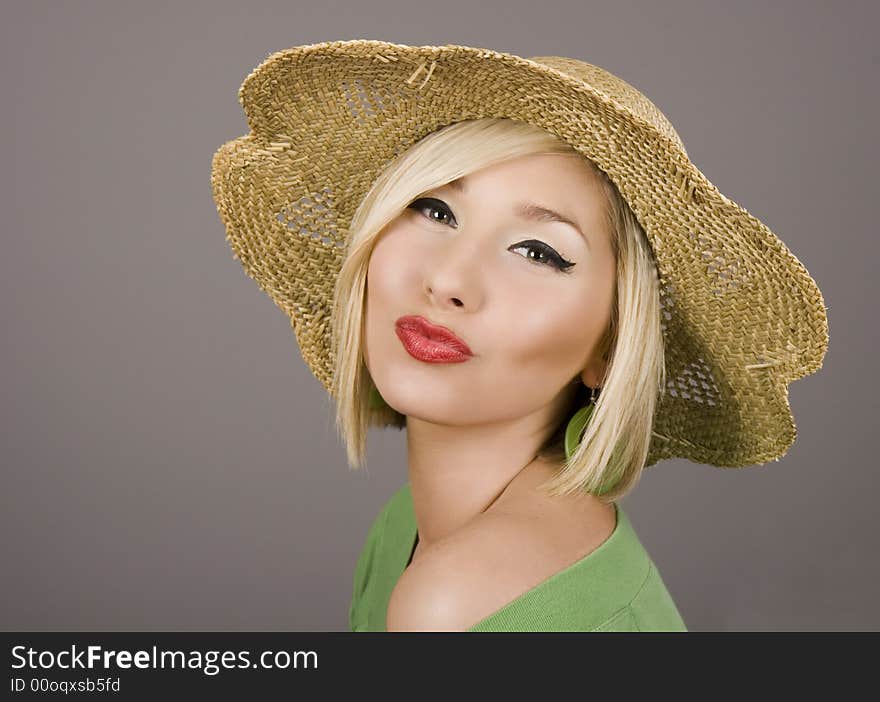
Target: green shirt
616,587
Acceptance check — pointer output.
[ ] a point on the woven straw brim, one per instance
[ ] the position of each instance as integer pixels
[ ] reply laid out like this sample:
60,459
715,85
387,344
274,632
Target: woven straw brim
742,318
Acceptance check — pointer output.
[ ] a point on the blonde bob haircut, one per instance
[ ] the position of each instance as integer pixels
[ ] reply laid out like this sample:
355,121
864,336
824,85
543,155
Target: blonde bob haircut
616,441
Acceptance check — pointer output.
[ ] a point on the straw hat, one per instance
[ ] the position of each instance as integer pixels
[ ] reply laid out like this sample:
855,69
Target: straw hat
742,318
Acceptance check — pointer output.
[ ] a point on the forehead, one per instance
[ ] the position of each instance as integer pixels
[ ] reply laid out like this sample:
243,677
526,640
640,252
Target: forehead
542,187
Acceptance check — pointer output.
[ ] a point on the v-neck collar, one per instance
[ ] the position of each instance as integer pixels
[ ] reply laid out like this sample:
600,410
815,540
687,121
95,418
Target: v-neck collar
412,532
621,552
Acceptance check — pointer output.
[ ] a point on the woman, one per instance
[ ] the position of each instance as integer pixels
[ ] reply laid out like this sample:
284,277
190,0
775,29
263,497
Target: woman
472,245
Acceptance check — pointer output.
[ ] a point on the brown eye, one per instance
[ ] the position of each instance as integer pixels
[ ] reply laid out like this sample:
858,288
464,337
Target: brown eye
432,205
543,255
539,253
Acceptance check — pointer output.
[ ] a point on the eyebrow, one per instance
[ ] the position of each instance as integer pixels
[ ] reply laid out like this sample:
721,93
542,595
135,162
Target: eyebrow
531,211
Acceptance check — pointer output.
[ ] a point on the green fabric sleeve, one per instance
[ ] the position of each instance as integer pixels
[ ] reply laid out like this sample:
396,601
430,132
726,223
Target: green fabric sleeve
365,563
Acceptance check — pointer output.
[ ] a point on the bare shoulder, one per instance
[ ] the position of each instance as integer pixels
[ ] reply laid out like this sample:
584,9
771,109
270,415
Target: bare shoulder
490,562
466,576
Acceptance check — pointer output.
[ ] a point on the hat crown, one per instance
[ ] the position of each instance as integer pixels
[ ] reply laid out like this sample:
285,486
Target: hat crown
616,89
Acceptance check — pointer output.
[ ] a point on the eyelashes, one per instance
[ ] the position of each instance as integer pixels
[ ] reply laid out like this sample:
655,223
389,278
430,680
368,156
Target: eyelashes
430,203
539,248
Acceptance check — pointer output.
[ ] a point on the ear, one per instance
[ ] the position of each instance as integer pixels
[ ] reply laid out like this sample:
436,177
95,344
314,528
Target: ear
594,374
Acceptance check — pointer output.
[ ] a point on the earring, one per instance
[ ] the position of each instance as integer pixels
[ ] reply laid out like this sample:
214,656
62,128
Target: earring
376,399
578,423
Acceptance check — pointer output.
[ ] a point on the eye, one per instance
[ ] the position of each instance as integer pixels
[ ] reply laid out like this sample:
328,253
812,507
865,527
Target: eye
544,255
431,204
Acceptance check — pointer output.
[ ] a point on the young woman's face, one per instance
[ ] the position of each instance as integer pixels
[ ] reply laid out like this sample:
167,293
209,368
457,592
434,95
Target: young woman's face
529,296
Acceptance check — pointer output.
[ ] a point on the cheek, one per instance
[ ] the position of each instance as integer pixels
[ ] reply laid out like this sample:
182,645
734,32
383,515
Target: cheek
554,334
392,268
391,279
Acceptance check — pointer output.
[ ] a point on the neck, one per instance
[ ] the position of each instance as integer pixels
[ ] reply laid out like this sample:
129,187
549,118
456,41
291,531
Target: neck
458,472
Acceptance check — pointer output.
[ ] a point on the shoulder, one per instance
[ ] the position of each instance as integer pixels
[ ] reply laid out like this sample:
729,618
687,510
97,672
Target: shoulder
386,516
393,507
472,573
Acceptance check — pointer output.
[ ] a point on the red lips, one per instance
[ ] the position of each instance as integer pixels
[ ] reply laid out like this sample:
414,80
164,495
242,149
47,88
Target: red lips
429,342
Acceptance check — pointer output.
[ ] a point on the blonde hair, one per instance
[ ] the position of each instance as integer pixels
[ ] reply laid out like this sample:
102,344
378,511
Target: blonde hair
617,438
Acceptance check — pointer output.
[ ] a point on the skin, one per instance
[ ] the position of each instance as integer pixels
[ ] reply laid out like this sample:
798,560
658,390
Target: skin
486,533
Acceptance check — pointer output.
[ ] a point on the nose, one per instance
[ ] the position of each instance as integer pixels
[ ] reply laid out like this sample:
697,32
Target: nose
453,277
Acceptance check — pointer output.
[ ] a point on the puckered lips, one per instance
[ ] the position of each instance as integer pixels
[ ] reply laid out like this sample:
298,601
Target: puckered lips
430,342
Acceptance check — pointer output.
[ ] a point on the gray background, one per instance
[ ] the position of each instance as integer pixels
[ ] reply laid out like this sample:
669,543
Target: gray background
168,460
